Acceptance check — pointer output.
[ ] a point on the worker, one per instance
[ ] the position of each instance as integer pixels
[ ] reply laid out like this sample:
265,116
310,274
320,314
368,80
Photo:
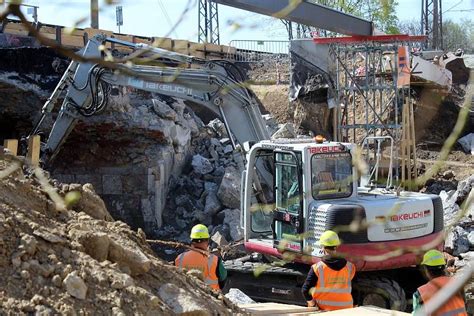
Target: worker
199,258
433,266
329,282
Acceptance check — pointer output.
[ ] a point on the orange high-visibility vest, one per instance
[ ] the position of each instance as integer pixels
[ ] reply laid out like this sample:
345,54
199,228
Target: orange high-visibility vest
207,264
333,289
453,307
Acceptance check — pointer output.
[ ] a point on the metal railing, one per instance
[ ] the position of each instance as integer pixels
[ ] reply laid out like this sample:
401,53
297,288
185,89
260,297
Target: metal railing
255,50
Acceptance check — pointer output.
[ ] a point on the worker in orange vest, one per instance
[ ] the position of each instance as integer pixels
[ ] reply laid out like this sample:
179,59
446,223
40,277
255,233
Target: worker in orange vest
200,259
433,265
329,282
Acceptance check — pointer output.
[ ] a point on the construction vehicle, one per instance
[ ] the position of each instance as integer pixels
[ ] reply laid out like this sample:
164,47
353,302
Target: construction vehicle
292,189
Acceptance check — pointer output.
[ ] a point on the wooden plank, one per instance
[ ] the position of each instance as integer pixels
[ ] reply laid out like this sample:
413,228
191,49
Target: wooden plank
366,311
163,42
141,39
47,30
92,32
34,145
229,49
11,145
72,41
276,309
403,147
50,36
412,127
16,27
181,46
123,37
70,31
213,57
284,309
197,46
198,54
16,32
213,48
407,120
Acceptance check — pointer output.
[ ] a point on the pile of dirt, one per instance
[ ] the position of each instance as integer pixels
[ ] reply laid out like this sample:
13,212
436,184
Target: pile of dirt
78,260
274,99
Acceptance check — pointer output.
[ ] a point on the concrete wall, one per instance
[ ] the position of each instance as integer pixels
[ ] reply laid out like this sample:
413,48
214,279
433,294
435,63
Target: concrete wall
133,194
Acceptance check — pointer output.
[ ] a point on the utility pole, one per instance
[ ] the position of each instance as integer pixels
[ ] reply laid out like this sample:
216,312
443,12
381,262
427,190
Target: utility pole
119,16
208,22
432,23
95,14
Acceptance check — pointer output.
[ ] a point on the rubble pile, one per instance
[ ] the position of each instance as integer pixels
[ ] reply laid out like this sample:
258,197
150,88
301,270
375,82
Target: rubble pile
458,216
208,190
78,260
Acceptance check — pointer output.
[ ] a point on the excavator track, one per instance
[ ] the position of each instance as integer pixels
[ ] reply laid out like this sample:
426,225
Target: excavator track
273,284
283,284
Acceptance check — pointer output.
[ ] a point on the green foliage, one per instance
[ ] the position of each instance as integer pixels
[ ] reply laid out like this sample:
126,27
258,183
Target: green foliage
458,35
381,12
411,27
455,34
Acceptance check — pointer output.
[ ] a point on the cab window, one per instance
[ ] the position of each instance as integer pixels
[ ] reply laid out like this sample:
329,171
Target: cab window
331,175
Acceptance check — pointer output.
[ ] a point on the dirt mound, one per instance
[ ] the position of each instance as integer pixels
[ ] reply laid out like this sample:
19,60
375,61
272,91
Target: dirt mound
275,101
80,261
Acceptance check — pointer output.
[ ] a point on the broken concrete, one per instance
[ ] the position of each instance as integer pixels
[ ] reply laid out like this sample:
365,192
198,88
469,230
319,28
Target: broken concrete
75,286
232,219
229,190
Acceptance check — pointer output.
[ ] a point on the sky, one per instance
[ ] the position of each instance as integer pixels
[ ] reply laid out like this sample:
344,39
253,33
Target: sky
147,17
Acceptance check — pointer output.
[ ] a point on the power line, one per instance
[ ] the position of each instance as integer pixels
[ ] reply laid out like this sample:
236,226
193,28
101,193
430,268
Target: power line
167,17
462,10
453,6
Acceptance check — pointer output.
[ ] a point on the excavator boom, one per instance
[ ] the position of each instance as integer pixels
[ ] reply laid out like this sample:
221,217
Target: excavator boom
213,86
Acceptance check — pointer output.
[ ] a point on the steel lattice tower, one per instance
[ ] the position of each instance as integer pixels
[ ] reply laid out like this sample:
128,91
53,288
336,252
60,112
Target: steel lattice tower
432,23
208,22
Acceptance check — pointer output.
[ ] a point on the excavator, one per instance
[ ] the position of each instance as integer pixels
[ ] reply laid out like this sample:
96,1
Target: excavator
292,189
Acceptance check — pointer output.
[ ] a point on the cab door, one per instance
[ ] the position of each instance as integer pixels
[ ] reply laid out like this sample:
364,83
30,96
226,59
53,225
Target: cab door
288,224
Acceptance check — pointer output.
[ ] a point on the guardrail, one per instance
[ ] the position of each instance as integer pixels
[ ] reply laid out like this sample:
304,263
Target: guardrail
258,50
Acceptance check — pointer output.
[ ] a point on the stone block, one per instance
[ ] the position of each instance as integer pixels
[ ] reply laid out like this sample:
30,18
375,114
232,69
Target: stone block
232,218
148,213
122,170
75,286
112,184
133,258
135,184
229,190
180,301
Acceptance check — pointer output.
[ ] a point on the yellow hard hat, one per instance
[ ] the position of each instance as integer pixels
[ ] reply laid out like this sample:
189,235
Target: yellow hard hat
329,239
199,231
433,258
